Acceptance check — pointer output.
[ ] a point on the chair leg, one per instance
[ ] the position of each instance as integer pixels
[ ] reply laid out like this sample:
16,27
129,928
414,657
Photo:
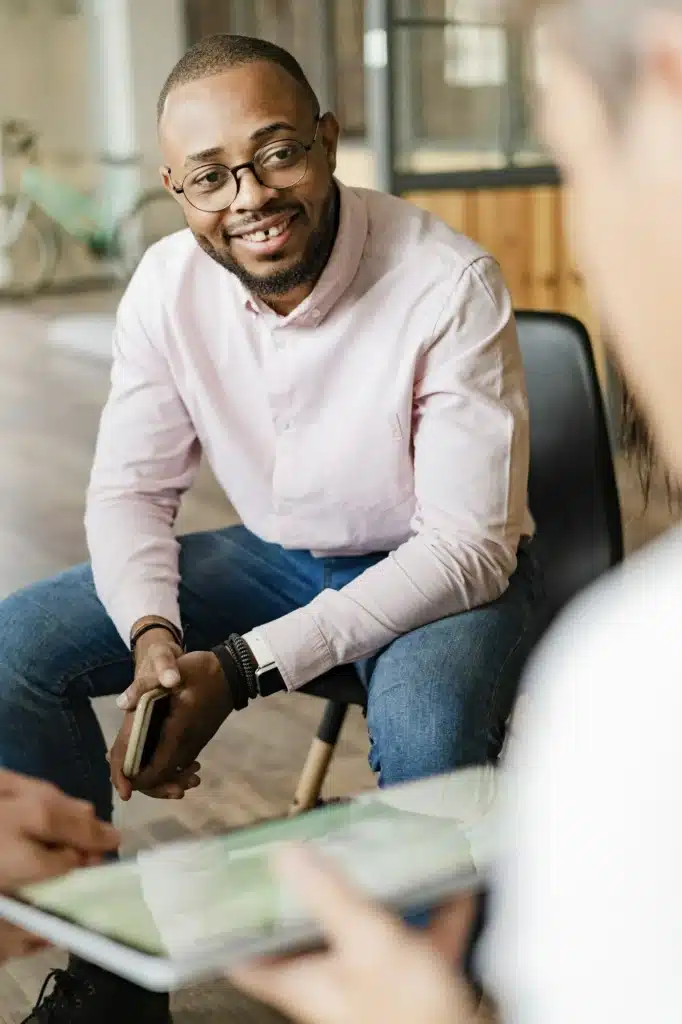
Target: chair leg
319,758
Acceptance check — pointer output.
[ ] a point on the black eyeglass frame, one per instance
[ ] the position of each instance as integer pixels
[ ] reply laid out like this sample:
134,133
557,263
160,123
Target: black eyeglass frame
250,166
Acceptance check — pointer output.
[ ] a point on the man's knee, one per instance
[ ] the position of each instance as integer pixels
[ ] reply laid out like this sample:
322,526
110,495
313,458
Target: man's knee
52,631
439,697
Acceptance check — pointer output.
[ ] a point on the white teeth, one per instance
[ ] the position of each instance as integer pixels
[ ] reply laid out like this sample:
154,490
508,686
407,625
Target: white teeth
263,236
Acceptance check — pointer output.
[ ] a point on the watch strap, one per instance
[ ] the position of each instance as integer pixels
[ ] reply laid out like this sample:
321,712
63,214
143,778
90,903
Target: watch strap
268,677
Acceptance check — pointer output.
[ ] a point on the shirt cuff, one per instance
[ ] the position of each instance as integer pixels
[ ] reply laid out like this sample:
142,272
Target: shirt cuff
299,649
259,647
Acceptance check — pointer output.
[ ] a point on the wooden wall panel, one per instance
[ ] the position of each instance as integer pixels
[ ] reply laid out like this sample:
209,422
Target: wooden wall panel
524,230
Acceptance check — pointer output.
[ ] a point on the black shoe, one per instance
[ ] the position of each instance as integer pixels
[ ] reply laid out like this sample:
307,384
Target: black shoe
85,994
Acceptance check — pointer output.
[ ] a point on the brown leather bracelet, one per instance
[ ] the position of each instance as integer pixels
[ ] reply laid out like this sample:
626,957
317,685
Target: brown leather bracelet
149,626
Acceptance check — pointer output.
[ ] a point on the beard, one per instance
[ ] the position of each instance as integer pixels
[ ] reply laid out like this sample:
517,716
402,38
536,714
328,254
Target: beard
306,271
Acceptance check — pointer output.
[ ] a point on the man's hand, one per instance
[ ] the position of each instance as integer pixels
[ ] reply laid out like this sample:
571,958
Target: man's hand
198,707
156,664
375,969
43,834
156,656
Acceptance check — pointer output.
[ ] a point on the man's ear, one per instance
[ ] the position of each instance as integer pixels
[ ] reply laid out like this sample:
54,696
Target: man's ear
164,173
655,119
329,137
659,54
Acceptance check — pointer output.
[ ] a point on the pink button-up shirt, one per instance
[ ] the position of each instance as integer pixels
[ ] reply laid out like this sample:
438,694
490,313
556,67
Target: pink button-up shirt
386,413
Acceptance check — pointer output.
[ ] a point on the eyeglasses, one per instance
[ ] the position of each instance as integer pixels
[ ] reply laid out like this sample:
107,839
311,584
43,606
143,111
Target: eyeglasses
213,188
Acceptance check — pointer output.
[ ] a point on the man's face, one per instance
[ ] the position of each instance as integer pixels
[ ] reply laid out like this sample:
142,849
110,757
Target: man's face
227,119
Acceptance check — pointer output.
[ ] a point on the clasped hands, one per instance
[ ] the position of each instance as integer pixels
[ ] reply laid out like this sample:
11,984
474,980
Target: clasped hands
200,698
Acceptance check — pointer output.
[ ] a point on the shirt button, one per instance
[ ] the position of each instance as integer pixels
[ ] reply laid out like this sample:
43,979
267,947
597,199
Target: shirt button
316,314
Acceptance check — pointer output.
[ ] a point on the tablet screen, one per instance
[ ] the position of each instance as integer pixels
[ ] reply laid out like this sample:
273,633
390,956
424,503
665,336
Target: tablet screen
173,900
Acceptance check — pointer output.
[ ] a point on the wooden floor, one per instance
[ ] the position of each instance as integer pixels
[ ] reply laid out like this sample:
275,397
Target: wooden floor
49,406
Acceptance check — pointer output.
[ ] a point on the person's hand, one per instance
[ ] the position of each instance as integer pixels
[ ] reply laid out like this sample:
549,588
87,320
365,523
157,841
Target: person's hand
375,969
156,657
15,942
43,834
156,664
198,707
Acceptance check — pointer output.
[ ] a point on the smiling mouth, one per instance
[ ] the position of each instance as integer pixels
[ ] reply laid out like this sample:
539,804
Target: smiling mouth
269,233
269,242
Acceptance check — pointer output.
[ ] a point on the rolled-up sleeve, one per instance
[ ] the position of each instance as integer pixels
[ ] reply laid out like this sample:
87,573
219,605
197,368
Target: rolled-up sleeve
471,455
147,455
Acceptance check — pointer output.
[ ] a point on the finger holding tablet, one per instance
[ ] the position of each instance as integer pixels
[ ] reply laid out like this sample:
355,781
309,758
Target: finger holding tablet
44,834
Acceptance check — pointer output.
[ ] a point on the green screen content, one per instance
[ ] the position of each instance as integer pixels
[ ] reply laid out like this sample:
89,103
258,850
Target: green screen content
173,900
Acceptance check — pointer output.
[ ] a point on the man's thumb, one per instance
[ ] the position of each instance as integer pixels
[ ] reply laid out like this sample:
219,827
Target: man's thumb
129,699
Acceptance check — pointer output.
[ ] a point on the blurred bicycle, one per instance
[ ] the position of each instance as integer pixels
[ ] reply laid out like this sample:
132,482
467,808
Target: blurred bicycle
34,220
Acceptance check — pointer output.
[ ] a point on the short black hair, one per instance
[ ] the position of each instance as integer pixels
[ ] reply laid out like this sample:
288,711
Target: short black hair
217,53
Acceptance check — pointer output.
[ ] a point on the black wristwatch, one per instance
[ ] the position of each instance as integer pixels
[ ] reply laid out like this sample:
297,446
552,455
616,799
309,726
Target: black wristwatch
247,681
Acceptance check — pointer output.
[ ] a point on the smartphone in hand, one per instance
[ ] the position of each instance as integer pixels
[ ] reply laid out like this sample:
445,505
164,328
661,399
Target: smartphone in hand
150,714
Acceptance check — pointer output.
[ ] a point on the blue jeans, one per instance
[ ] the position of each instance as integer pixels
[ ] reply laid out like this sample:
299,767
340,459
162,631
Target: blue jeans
437,697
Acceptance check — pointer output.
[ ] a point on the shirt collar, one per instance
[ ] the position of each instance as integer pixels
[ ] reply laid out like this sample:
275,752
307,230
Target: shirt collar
338,274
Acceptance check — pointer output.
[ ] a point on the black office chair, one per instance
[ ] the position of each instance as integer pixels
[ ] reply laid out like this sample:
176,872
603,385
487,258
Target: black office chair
572,496
572,490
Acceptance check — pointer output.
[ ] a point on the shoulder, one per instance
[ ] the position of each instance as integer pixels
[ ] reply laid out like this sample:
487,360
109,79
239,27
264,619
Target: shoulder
590,793
610,662
167,262
175,274
620,617
417,237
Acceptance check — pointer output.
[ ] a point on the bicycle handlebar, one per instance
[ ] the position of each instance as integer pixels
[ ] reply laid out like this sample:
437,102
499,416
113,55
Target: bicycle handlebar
17,137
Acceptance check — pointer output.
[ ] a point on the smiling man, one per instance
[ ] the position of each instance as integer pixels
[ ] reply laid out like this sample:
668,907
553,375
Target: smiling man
349,367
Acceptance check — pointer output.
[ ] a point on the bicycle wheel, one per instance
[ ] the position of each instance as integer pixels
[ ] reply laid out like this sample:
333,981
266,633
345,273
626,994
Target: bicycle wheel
154,215
29,249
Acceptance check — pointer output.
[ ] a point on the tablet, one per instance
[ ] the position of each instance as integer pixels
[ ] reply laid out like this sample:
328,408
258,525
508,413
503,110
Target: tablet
190,910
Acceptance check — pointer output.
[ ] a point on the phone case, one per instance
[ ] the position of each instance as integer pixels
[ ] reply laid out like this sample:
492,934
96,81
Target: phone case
138,735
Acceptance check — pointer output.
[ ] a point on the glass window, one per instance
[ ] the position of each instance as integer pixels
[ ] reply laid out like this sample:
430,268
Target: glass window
461,88
325,36
349,72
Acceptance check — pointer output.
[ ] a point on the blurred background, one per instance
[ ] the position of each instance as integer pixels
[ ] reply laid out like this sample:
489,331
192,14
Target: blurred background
434,106
430,99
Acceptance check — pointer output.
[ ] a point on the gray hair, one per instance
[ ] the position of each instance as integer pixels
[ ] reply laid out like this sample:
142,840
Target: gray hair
601,34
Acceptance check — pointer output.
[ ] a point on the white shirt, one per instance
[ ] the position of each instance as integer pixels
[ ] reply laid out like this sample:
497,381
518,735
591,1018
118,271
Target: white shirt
387,412
588,926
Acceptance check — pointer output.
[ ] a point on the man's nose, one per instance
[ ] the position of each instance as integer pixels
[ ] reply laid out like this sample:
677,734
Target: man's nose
251,195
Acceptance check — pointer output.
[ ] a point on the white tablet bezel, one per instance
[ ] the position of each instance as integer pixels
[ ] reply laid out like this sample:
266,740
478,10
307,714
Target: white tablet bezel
471,790
166,974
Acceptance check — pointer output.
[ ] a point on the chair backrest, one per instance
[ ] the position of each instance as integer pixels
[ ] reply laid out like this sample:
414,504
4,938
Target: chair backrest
573,495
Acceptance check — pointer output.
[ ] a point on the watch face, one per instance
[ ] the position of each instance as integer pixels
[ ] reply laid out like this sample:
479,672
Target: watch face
269,681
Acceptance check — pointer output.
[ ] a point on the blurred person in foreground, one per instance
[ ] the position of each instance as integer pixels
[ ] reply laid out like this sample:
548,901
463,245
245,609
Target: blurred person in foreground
43,834
349,366
587,923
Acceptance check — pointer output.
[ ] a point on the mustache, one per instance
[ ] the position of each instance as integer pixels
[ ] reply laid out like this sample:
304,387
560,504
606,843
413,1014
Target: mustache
251,223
